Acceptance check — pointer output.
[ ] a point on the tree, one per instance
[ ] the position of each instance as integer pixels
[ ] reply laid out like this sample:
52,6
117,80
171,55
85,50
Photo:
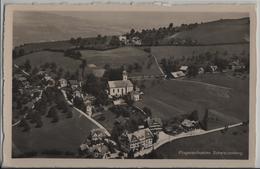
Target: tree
67,75
35,70
132,32
21,52
128,99
170,26
106,66
147,111
194,116
27,66
72,41
204,123
114,41
193,70
83,66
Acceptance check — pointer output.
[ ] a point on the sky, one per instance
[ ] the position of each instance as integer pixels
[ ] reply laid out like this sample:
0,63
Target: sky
50,26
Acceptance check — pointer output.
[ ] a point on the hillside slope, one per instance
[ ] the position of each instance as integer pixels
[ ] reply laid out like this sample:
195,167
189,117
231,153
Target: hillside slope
218,32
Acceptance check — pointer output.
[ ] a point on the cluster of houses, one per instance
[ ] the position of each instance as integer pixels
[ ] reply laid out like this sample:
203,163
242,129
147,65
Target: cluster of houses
136,41
185,126
233,66
97,145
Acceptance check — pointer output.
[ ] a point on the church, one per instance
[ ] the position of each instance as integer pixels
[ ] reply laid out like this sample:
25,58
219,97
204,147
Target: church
120,87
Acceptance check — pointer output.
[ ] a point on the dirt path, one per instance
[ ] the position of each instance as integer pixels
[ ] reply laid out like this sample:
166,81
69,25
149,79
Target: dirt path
158,65
201,83
84,114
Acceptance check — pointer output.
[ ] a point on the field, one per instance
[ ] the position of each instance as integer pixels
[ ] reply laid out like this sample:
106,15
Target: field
168,98
119,57
61,139
39,58
179,51
235,140
221,31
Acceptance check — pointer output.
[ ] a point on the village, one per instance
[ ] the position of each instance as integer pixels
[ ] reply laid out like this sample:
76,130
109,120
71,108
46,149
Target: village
35,91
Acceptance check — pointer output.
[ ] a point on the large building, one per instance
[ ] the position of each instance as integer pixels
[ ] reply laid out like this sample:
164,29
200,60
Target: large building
136,141
120,87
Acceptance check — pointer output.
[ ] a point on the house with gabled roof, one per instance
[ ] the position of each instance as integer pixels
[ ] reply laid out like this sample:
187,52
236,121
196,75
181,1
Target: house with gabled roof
155,125
136,141
177,74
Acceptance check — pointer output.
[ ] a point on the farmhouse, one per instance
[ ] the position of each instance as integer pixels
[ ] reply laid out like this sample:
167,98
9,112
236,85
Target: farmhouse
184,69
189,124
136,41
123,39
135,95
214,68
97,134
236,65
63,83
140,139
120,87
155,125
201,70
178,74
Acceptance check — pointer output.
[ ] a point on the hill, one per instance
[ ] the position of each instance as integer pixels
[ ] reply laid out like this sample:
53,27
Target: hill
222,31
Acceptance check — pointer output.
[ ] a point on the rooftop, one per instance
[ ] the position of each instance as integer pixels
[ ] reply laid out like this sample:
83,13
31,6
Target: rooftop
120,84
177,74
140,134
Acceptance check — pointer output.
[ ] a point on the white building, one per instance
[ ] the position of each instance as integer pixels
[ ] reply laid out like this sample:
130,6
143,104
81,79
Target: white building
136,41
63,83
178,74
123,39
184,69
136,141
120,87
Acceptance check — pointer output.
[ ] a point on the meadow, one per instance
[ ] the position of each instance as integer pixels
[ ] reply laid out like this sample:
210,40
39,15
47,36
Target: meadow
39,58
122,56
169,98
60,139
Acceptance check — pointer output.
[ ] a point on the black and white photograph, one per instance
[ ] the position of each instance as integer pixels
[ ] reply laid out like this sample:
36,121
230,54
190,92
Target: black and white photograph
126,84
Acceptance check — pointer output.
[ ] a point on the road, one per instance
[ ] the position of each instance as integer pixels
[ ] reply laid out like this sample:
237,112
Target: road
84,114
165,138
158,65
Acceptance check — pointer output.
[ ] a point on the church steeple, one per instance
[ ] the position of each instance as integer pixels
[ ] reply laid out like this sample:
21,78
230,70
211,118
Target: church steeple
124,74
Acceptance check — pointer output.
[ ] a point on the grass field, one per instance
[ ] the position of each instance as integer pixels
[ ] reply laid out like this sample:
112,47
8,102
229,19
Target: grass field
64,136
39,58
119,57
168,98
187,51
221,31
228,80
234,140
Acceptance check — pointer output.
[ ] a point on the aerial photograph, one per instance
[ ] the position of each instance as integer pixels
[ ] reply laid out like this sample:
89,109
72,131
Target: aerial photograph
130,85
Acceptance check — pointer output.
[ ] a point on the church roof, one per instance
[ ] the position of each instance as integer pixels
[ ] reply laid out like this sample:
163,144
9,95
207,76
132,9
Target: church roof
120,84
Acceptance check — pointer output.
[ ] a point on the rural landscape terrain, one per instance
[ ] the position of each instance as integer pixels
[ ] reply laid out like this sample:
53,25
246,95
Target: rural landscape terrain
165,91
